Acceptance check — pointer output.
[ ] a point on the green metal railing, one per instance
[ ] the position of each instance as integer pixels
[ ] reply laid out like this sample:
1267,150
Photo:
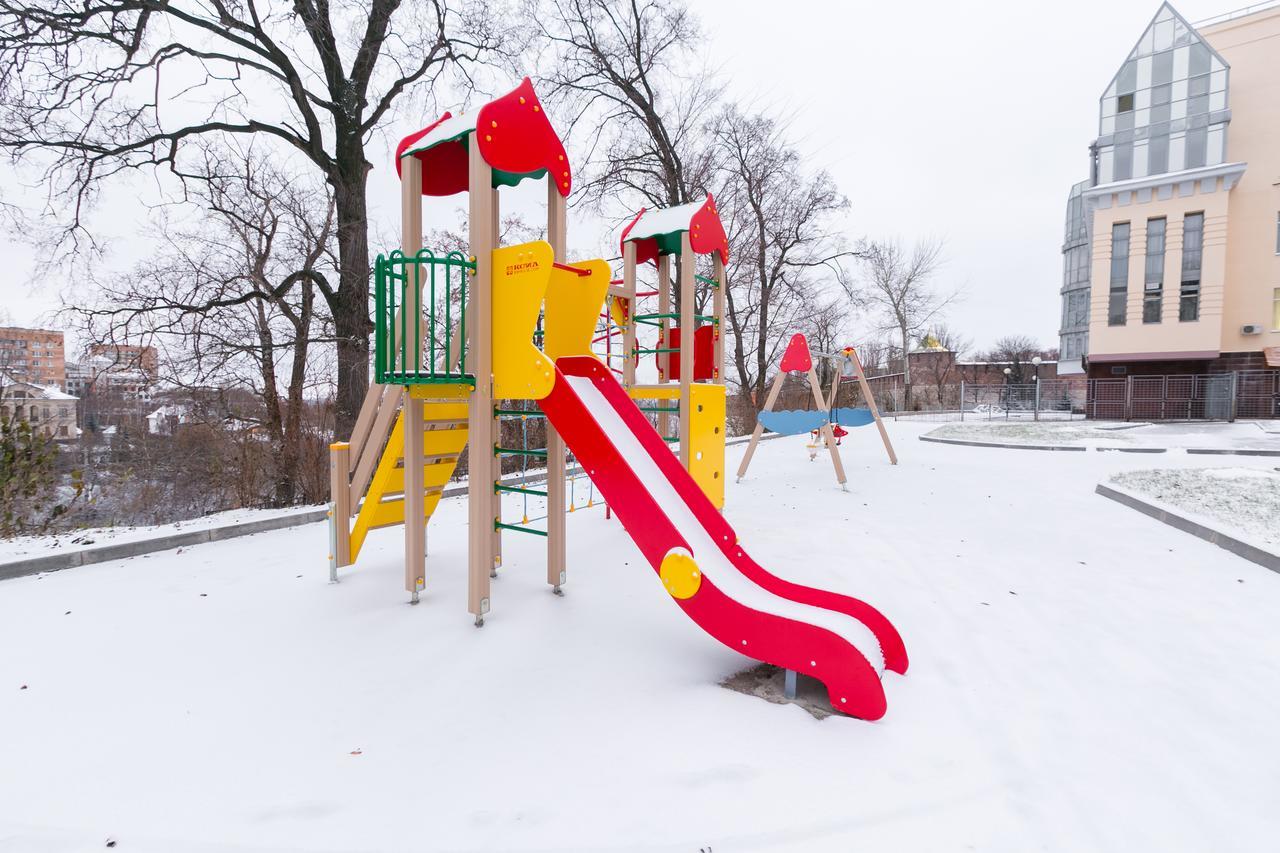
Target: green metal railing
401,355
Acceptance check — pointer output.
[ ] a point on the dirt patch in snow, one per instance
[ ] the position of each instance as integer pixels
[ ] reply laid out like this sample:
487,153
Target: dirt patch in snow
1246,499
766,682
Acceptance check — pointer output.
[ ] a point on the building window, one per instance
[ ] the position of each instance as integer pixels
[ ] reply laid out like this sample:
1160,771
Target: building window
1153,282
1278,233
1192,253
1275,309
1116,307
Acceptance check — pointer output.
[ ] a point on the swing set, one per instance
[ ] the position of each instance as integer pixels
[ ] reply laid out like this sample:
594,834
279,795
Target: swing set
825,423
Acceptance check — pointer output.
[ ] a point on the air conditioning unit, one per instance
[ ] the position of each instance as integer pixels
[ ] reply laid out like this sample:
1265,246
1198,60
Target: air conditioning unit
1251,329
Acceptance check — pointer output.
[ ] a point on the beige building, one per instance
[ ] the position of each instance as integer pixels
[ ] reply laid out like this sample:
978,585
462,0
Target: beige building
48,409
33,355
1172,251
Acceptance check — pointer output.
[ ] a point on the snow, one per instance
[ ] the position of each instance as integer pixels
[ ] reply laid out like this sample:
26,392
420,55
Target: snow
1081,433
1082,678
655,221
450,128
75,540
710,559
1243,500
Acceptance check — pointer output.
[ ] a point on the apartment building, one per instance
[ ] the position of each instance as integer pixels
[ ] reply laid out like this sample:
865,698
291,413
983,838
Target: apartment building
33,355
1171,256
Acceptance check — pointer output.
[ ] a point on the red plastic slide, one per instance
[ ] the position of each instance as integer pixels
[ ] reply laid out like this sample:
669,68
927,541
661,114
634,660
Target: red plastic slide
844,643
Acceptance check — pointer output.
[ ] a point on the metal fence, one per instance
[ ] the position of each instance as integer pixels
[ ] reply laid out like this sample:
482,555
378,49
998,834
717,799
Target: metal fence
1048,400
1241,395
1192,397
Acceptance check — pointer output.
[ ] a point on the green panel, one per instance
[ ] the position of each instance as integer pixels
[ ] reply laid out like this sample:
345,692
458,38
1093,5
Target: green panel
401,354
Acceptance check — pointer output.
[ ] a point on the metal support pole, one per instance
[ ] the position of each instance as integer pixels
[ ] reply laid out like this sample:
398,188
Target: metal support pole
789,684
962,401
1235,383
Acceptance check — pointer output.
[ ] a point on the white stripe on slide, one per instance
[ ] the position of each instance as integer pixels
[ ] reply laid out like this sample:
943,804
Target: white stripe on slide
711,561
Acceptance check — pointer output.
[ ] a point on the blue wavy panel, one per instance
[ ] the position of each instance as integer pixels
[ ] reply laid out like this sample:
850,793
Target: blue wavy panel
799,421
793,422
850,417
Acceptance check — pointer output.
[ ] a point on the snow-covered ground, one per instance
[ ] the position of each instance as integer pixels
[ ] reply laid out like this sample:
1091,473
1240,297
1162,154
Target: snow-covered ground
1235,436
38,546
1082,678
1246,500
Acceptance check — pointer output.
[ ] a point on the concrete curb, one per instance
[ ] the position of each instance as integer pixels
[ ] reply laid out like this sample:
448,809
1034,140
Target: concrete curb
1007,446
120,550
1252,553
105,553
1215,451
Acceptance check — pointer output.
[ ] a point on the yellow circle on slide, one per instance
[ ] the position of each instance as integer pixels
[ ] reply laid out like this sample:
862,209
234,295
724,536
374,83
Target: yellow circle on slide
680,575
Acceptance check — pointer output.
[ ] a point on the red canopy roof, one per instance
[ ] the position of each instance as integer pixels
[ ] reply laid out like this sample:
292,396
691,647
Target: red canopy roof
515,138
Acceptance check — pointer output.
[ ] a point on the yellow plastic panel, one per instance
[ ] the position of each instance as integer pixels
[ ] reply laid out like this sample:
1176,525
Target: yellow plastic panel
618,311
706,441
573,306
443,442
388,478
440,392
433,411
655,392
520,275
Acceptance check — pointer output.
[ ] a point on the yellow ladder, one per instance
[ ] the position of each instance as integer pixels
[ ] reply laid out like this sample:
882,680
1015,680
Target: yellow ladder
444,437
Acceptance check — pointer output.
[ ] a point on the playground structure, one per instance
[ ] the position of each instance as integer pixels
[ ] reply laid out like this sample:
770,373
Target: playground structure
825,421
458,337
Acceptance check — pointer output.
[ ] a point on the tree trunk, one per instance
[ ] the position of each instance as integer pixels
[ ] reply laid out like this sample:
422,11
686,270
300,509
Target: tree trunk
906,372
351,309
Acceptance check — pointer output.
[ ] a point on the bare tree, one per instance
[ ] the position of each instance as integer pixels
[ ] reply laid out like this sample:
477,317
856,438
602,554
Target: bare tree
620,71
231,297
90,89
1017,351
937,364
785,246
898,285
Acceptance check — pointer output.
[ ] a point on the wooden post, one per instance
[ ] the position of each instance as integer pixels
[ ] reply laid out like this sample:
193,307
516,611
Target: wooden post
629,333
557,236
687,293
414,500
340,507
833,396
828,436
664,335
494,459
871,404
759,430
481,502
717,310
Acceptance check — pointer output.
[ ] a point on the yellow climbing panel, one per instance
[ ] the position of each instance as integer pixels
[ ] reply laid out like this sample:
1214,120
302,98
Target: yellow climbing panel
444,436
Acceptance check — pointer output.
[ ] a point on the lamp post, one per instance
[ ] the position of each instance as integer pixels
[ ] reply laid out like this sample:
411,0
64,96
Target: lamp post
1008,372
1036,362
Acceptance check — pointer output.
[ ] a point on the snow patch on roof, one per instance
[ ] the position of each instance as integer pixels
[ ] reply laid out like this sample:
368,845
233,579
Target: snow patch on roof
448,129
654,222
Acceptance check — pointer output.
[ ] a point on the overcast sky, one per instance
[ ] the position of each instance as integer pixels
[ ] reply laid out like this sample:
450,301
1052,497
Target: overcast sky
963,121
